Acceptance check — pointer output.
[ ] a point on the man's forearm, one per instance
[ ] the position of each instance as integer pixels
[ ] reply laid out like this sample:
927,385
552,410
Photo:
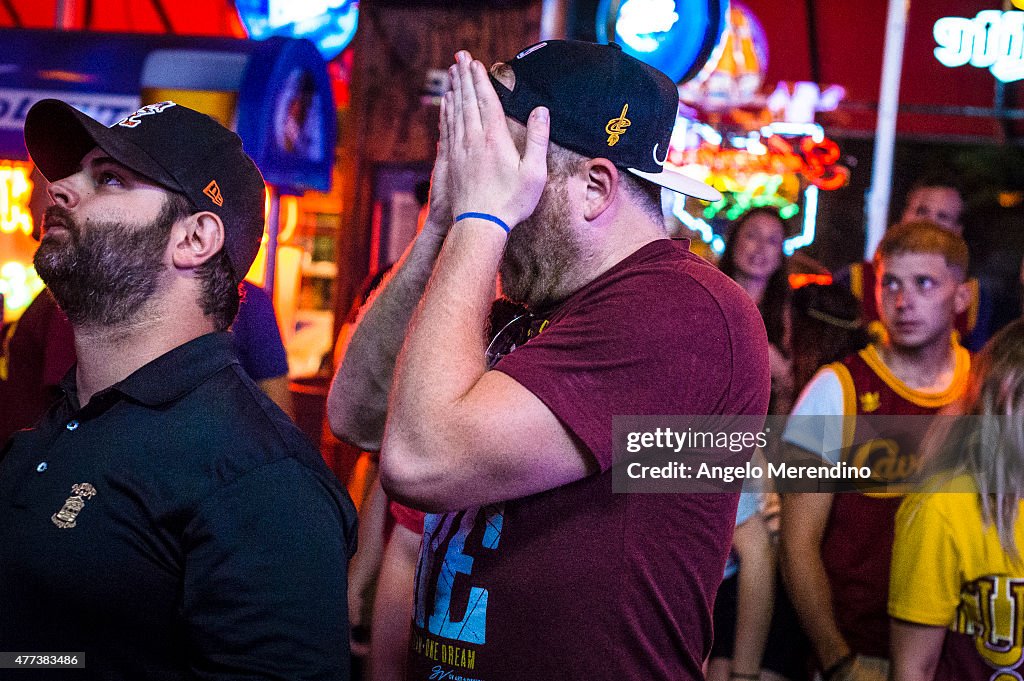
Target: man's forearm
357,402
755,593
811,593
915,651
365,565
443,356
443,407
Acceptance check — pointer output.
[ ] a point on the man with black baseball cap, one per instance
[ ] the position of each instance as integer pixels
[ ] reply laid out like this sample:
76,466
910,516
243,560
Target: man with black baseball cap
530,567
164,519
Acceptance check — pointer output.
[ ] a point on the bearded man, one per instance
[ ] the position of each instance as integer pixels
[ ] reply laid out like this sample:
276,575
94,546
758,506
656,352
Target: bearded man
164,520
530,567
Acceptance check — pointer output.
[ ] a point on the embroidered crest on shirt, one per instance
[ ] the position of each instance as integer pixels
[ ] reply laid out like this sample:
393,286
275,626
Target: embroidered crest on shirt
80,493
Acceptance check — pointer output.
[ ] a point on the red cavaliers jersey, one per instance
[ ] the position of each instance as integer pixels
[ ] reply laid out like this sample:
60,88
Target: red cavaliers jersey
857,544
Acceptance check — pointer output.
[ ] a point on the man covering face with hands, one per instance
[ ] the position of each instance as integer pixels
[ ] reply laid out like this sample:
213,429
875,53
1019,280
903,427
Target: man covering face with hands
549,174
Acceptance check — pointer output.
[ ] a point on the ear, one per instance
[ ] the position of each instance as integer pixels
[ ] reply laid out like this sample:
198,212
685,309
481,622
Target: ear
602,179
964,295
196,239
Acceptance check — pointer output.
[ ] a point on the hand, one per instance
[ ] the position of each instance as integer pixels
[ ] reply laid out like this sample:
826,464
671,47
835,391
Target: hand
439,211
781,368
862,669
486,172
771,507
360,605
359,641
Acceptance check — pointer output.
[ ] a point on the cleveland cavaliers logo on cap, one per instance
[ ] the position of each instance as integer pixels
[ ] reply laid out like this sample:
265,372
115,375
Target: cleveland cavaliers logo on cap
148,110
66,517
617,127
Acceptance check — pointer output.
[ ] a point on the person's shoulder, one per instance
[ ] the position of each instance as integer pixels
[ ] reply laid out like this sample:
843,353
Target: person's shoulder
685,279
672,297
254,448
945,498
823,394
248,429
949,491
826,377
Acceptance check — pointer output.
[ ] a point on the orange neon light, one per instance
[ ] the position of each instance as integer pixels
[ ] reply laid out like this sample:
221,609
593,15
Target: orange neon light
286,230
799,280
15,192
289,218
19,284
289,207
817,162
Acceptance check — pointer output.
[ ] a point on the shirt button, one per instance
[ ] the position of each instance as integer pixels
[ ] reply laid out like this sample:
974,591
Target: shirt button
72,425
41,467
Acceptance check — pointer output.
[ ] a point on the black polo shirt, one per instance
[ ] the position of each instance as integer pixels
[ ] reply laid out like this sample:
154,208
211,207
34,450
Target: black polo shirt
178,526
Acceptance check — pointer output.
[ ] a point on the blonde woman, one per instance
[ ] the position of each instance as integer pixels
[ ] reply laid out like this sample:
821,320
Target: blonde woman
957,586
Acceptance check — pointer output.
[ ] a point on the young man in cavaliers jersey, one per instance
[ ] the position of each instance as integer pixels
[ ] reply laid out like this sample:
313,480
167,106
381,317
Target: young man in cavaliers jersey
836,548
940,201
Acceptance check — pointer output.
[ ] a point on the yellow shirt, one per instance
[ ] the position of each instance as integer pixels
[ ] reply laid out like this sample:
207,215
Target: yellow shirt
949,570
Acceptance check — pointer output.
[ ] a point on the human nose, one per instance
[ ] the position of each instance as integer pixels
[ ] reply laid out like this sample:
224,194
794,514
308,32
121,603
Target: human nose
901,299
63,193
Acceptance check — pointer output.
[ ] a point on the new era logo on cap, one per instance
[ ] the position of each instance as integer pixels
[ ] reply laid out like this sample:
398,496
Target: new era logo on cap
213,191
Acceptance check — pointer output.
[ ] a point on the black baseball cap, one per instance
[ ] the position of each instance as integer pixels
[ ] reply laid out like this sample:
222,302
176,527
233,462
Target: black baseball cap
170,144
604,103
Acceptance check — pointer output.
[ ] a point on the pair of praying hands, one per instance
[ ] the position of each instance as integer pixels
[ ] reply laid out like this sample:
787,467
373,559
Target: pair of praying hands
479,168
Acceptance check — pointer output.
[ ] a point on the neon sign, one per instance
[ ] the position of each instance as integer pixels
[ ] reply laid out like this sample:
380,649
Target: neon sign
805,100
19,285
774,166
734,73
640,19
786,211
992,40
675,36
776,149
15,192
281,14
330,24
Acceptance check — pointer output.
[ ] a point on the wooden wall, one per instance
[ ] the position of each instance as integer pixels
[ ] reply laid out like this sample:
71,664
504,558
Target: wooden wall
387,122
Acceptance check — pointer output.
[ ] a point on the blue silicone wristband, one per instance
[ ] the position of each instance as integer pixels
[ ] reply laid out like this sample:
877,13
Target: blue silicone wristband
485,216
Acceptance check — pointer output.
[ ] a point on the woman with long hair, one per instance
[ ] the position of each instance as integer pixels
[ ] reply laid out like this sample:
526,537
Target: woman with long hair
754,259
957,585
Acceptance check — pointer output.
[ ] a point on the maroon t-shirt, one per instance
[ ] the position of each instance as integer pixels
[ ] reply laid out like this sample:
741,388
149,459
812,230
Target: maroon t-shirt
577,582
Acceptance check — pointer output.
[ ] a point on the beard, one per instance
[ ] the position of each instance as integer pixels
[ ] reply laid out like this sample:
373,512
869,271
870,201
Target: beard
543,254
102,275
